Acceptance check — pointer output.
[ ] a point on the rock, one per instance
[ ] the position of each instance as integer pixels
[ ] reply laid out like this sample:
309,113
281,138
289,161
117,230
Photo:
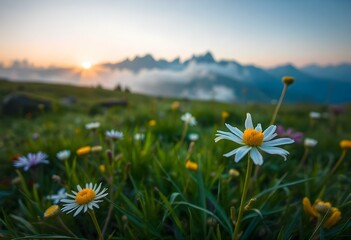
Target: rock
20,104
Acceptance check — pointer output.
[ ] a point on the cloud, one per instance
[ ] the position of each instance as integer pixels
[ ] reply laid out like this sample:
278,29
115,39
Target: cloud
166,82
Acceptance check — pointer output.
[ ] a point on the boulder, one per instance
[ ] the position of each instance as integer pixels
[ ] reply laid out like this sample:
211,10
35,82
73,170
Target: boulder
20,104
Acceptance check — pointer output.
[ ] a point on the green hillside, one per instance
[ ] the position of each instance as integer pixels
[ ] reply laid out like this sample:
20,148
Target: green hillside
162,184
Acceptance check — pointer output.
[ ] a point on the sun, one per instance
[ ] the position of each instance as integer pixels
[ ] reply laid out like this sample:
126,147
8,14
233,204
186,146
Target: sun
86,65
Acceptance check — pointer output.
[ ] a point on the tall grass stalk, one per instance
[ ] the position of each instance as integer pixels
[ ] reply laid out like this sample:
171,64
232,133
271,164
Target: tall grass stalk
243,197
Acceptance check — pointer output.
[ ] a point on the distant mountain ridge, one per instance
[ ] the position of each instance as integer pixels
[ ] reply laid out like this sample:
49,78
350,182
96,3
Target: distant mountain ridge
313,83
202,76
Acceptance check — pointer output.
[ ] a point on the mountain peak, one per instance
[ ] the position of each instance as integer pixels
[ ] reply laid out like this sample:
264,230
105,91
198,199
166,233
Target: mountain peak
205,58
147,57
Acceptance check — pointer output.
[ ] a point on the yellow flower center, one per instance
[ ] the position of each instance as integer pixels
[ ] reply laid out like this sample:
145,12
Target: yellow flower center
52,211
253,137
85,196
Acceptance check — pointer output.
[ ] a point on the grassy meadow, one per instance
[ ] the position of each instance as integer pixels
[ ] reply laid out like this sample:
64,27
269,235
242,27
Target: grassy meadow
167,179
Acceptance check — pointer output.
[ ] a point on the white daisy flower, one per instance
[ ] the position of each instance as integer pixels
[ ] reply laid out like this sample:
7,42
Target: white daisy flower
61,194
189,119
114,135
63,155
139,136
193,137
92,125
31,160
310,142
253,140
86,198
315,115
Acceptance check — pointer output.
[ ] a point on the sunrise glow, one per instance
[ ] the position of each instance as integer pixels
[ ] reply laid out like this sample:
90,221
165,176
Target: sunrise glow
86,65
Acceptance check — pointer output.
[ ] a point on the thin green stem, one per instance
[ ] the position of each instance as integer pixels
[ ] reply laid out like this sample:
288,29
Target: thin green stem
96,224
185,129
337,164
303,159
279,104
65,227
343,154
243,197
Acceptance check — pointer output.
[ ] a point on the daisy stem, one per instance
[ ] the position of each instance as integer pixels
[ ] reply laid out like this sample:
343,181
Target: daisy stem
341,158
279,103
343,154
243,197
303,159
98,229
185,129
65,227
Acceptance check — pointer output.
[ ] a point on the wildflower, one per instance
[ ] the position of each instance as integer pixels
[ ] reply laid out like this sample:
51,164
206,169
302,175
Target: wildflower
315,115
83,150
188,119
52,212
290,133
102,168
337,109
35,136
253,139
139,136
322,209
234,173
77,131
92,125
31,160
193,137
56,178
86,198
61,194
152,123
114,135
191,165
345,144
310,142
224,115
288,80
175,105
63,155
96,148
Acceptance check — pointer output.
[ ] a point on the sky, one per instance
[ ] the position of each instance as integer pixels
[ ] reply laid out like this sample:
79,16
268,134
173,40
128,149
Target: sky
264,33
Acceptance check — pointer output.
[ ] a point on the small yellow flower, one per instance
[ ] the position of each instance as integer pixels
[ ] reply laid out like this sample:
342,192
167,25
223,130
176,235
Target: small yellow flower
175,105
345,144
102,168
224,115
308,208
83,150
288,80
77,131
234,173
52,212
152,123
322,209
333,219
191,165
96,148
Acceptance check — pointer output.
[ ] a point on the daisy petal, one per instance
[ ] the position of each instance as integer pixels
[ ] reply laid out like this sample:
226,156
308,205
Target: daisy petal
266,139
269,131
78,211
235,130
256,156
231,153
231,138
275,150
277,142
248,121
242,151
258,127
